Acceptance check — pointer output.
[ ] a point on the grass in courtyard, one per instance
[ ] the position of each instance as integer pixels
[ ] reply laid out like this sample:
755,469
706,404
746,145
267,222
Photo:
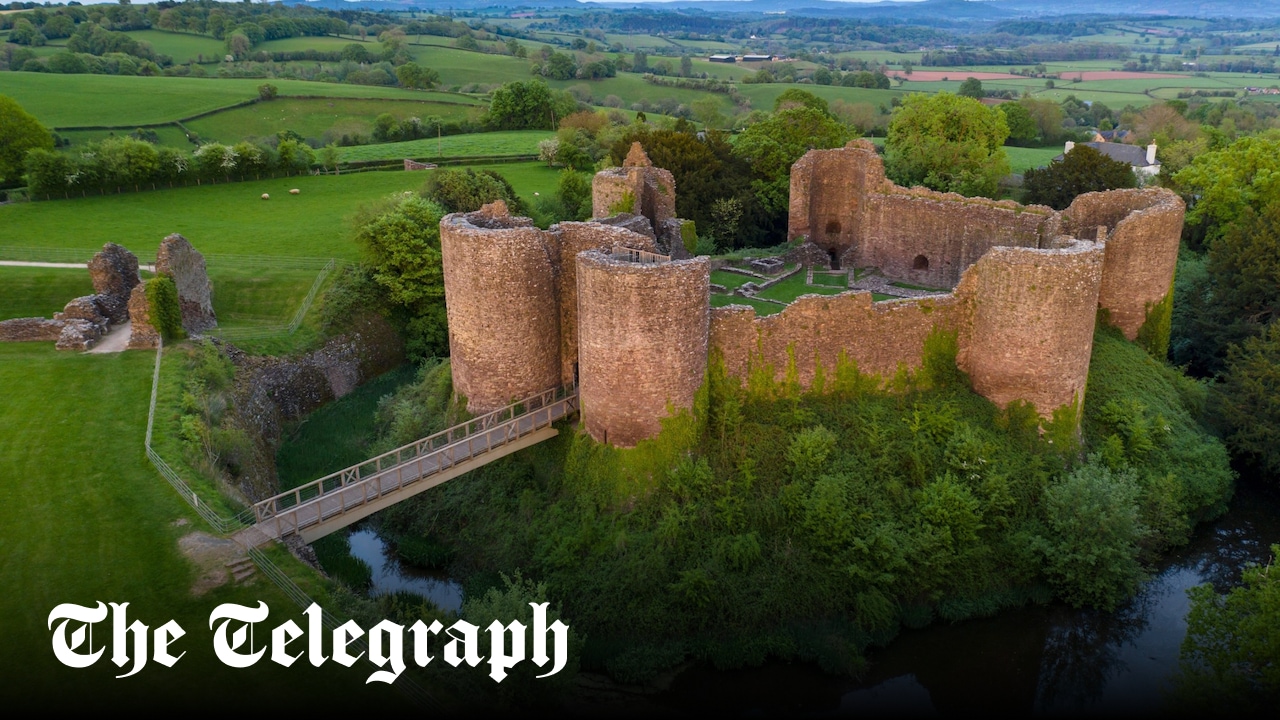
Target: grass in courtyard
731,280
261,295
84,518
40,292
761,307
878,297
337,435
839,280
795,286
909,286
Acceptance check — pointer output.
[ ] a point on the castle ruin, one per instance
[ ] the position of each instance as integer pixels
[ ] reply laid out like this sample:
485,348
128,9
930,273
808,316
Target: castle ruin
604,306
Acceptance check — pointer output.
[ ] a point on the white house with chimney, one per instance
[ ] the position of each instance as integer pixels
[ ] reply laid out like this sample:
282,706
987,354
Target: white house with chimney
1144,163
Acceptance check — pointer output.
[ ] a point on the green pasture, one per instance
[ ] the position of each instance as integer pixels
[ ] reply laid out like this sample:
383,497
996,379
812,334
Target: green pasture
170,136
39,292
182,47
709,46
118,100
84,518
313,117
633,88
1021,159
885,56
511,142
323,43
721,71
462,67
527,178
763,96
229,218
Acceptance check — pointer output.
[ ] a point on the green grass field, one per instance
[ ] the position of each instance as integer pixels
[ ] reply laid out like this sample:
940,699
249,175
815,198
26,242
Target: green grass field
182,47
39,292
1021,159
116,100
219,219
84,518
314,117
763,96
256,296
462,67
170,136
512,142
231,218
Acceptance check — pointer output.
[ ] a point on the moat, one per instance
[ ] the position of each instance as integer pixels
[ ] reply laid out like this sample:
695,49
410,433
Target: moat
1052,660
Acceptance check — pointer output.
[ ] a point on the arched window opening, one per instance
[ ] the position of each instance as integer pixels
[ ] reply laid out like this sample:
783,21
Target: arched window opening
920,263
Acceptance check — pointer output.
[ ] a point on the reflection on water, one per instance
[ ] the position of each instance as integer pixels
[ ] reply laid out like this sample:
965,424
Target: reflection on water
391,575
1039,660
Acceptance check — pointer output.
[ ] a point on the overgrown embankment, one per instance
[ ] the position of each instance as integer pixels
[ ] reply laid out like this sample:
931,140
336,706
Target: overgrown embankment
778,522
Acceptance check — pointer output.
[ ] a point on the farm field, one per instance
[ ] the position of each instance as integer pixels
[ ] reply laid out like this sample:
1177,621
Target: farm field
317,117
182,47
169,135
219,219
464,67
1021,159
763,96
121,101
512,142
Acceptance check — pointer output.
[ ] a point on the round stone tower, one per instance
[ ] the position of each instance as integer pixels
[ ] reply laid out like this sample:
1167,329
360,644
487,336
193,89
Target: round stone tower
1031,332
503,308
642,340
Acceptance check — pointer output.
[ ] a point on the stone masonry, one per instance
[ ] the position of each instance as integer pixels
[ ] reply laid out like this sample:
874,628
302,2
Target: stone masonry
636,331
115,273
179,260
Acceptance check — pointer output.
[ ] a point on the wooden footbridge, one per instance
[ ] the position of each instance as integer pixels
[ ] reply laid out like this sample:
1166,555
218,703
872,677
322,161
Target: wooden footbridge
335,501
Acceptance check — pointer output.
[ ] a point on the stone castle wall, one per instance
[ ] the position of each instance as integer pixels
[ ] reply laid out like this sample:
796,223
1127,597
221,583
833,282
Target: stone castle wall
842,202
818,329
1143,229
573,238
503,308
652,190
642,343
1030,333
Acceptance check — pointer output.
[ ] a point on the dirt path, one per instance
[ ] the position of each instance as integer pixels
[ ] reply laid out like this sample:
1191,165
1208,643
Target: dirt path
114,341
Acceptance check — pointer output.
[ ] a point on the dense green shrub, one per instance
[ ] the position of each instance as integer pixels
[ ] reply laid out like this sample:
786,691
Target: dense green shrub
166,311
466,190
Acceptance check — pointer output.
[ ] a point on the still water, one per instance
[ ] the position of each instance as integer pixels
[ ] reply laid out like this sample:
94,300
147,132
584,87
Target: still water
391,575
1039,660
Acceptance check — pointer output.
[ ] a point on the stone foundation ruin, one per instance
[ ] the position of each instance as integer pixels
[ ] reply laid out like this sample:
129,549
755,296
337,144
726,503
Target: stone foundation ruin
120,297
594,304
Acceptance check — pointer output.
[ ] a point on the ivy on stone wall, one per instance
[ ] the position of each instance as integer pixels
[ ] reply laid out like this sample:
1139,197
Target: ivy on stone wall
166,312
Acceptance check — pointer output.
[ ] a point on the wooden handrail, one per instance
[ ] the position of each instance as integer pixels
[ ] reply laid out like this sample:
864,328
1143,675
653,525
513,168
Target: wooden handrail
442,446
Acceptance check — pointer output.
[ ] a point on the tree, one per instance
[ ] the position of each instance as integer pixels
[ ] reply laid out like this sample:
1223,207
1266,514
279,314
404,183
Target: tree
1048,116
466,190
267,91
573,191
795,97
1081,170
400,237
1022,127
1230,656
686,66
413,75
947,143
19,132
972,88
1091,535
1219,185
522,105
639,62
1251,398
771,147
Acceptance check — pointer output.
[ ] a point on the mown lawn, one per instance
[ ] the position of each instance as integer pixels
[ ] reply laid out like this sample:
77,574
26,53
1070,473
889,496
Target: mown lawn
761,307
1021,159
39,292
85,519
795,286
